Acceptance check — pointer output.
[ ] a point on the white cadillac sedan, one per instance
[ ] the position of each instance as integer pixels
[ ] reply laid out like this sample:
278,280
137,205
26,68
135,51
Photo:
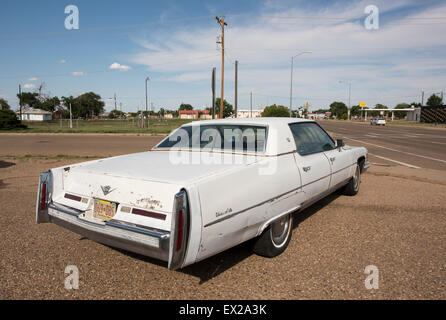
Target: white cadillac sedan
207,187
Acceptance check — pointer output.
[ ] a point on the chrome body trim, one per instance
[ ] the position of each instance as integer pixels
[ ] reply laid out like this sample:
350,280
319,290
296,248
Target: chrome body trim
145,241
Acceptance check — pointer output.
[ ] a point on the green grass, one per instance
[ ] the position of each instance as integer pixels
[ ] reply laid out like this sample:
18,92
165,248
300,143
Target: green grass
156,126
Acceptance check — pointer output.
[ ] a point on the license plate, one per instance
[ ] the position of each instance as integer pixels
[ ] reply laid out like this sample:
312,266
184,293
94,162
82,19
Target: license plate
104,210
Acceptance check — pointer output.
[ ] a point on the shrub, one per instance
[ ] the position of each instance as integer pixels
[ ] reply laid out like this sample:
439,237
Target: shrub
8,120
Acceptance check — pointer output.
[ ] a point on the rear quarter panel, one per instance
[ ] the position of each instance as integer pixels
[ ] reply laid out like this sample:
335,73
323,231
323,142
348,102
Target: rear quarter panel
236,204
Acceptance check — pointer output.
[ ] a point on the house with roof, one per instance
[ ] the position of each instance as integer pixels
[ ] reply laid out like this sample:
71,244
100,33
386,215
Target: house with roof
31,114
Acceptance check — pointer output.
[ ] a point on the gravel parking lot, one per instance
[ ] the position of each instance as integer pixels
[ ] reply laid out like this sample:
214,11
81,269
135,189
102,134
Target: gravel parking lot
397,223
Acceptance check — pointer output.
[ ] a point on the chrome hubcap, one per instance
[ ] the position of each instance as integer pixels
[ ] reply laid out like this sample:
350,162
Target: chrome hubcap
357,178
279,230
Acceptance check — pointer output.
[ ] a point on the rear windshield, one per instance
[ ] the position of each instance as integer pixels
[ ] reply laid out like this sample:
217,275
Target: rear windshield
246,138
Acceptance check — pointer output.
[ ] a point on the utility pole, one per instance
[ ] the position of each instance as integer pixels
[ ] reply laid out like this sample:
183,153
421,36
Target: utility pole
349,96
71,118
222,23
291,85
213,93
250,103
235,102
147,105
422,97
20,101
115,101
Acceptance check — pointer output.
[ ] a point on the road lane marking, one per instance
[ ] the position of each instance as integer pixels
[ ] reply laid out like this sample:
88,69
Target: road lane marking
405,152
399,162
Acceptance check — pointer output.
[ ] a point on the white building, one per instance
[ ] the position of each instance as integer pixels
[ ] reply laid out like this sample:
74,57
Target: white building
247,114
35,115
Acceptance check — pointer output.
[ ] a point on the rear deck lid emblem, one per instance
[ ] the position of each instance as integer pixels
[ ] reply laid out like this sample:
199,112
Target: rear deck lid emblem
106,190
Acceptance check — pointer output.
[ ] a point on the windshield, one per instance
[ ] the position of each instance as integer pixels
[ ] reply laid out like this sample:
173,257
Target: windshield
246,138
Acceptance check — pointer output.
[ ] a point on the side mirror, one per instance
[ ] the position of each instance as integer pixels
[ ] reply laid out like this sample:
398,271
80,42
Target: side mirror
340,143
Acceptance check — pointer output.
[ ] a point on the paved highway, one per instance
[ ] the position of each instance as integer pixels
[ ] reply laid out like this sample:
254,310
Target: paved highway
415,147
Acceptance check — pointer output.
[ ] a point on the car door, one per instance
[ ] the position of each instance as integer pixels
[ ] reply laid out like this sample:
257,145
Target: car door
310,159
341,161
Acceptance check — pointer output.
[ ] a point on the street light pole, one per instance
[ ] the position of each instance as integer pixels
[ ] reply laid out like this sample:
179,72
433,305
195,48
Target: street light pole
291,85
147,105
349,96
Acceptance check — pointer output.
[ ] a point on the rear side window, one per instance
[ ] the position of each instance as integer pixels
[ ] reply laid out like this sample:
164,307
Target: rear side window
311,138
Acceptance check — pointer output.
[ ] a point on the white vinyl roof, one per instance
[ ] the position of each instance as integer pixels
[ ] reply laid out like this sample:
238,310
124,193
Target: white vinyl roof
279,140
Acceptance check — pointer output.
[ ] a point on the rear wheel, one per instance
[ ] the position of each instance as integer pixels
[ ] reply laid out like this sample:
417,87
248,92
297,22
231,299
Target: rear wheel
274,240
352,187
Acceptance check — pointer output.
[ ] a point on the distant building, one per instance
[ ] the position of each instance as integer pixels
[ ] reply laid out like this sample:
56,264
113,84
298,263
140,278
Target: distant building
194,114
168,116
249,114
318,115
31,114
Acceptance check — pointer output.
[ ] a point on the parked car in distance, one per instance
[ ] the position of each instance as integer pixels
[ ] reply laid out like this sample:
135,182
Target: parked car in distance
208,186
378,121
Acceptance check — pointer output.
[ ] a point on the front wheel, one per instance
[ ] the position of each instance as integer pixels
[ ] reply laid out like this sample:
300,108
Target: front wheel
276,237
352,188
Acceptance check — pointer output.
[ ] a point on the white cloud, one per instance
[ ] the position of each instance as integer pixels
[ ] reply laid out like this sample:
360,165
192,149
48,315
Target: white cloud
32,79
120,67
62,61
78,73
387,66
29,86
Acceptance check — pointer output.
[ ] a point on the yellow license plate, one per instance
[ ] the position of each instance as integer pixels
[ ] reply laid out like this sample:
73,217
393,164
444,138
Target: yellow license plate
104,210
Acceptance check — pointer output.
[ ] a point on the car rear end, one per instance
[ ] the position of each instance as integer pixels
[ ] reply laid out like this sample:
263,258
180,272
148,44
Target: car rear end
151,218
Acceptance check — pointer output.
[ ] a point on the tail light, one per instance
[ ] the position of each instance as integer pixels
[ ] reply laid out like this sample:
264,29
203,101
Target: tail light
179,231
44,196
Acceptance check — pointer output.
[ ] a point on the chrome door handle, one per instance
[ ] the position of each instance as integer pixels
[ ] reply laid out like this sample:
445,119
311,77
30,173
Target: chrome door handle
332,159
306,169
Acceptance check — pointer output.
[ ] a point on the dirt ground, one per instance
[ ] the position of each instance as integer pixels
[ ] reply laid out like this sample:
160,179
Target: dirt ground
397,223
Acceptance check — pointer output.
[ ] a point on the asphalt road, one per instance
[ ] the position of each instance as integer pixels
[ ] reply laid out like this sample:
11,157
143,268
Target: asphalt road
415,147
75,144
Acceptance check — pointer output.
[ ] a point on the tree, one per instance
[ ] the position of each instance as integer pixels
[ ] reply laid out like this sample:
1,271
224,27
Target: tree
401,114
49,104
228,110
29,99
356,111
9,120
378,106
321,111
4,104
116,114
339,110
276,111
434,100
84,106
184,106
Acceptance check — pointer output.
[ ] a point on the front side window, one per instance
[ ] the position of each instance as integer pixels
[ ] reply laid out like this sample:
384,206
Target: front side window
311,138
245,138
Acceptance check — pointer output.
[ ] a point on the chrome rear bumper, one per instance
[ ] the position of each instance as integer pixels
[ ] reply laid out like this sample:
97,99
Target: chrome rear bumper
138,239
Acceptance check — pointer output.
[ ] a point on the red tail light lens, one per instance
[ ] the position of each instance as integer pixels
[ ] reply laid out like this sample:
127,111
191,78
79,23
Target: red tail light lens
180,230
43,199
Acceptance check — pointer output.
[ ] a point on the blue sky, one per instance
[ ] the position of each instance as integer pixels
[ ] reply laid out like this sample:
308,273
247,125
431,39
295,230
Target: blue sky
173,42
